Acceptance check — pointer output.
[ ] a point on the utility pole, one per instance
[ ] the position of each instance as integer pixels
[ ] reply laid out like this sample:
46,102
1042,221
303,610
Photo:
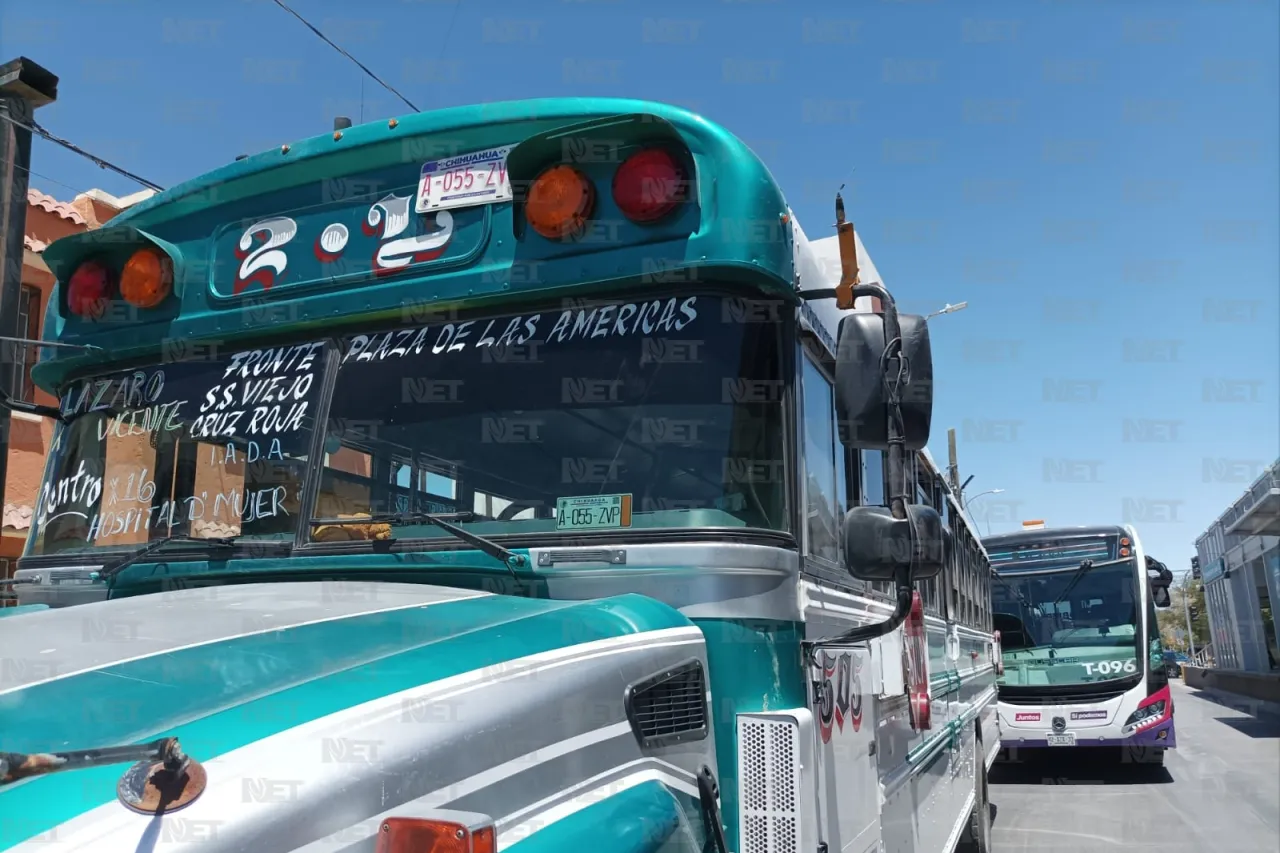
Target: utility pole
953,470
1186,609
24,88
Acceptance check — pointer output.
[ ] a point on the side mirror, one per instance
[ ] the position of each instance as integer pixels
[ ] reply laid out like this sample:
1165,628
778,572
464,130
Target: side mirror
1158,574
1160,595
878,546
862,400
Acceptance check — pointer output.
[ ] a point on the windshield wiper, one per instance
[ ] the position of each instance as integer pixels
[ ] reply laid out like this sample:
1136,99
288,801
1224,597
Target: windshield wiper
1086,566
1031,610
403,519
16,766
152,547
162,779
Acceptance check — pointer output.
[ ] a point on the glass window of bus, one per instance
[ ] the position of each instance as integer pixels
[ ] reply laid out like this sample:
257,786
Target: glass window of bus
1064,626
873,478
671,406
818,420
873,474
929,588
209,448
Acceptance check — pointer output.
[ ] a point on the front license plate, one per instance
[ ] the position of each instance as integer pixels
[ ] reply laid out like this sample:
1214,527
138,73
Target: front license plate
593,512
466,180
1062,740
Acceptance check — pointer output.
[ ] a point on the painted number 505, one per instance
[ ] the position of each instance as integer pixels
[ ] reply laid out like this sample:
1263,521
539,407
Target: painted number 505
1111,667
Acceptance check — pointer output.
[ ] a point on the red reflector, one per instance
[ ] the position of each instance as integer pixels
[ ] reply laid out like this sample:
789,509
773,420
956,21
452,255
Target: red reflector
89,289
648,185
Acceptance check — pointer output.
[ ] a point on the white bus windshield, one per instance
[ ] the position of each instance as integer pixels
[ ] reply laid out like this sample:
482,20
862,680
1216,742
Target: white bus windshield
1061,624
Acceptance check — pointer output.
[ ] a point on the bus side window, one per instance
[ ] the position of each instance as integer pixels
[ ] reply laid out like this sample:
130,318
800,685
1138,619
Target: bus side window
874,492
823,486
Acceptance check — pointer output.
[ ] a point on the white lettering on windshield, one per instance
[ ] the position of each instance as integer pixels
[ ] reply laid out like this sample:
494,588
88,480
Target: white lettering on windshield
606,321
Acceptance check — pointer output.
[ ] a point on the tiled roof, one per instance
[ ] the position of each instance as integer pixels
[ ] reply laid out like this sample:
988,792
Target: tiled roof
52,205
17,516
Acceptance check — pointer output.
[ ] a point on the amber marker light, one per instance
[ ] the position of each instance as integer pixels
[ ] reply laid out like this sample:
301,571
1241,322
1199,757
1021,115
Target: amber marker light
560,202
419,835
147,278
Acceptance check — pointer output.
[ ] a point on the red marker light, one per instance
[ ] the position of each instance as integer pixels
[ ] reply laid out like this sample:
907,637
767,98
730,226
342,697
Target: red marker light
89,289
649,185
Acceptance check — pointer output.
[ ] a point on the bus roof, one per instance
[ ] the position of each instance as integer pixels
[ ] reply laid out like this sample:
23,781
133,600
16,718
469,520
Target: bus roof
229,285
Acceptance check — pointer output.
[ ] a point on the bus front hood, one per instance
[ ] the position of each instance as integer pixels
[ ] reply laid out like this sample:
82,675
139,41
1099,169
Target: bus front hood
317,709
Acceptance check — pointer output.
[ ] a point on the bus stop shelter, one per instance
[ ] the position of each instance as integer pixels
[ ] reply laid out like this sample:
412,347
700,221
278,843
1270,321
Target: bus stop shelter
1240,563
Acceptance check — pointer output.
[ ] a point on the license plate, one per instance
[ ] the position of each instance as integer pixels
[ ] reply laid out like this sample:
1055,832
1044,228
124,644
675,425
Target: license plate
1063,740
466,180
593,512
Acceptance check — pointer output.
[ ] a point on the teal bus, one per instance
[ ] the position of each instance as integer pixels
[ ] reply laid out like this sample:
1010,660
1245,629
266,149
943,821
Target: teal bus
509,477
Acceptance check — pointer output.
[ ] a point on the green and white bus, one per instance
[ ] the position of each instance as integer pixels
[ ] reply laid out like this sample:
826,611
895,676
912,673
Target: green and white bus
509,477
1082,663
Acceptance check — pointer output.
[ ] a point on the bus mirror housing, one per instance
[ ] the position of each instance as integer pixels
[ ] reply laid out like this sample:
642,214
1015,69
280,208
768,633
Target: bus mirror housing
1159,578
879,547
862,386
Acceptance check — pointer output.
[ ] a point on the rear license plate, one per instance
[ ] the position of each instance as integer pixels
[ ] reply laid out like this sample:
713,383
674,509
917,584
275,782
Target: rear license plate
1063,740
466,180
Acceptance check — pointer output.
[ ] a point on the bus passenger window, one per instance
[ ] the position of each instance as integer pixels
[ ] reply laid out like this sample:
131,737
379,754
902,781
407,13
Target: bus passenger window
822,487
873,467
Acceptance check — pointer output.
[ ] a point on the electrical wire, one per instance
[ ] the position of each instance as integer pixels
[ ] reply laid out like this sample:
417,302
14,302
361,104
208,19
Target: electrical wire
362,67
36,174
36,129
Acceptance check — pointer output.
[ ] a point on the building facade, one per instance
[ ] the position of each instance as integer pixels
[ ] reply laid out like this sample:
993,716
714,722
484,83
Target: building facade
47,220
1240,568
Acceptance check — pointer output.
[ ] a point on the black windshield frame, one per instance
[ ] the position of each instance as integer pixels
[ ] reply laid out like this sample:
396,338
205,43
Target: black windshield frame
712,299
783,535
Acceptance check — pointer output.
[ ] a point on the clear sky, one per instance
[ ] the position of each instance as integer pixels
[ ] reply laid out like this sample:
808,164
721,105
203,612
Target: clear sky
1098,180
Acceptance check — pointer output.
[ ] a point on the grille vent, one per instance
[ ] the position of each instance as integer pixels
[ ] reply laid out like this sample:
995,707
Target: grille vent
770,808
670,707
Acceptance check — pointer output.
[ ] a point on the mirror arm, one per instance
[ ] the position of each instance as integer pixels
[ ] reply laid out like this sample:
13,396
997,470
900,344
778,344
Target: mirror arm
905,595
7,401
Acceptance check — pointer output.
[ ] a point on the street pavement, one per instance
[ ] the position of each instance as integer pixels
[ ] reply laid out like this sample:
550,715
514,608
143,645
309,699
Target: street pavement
1218,791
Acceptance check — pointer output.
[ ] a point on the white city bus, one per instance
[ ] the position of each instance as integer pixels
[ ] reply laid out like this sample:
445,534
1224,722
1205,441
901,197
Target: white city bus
1081,659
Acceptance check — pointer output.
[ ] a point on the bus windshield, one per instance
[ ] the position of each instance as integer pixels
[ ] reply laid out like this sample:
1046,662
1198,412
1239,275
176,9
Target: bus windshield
582,418
1061,624
214,447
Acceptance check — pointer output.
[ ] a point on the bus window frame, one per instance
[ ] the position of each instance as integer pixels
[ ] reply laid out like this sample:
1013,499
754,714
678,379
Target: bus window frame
808,347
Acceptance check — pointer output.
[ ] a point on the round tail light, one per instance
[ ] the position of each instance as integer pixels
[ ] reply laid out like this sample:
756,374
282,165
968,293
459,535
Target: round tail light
90,288
648,185
560,202
147,278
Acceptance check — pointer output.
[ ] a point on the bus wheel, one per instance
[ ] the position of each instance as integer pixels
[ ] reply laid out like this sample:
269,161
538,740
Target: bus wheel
977,836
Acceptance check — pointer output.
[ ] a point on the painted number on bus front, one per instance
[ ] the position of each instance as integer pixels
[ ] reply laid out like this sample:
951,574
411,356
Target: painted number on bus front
1111,667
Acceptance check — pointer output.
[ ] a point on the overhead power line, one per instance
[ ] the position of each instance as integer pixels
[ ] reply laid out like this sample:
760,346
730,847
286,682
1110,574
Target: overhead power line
35,128
361,65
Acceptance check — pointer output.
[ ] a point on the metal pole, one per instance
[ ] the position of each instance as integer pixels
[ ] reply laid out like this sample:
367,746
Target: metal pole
952,468
1186,609
24,87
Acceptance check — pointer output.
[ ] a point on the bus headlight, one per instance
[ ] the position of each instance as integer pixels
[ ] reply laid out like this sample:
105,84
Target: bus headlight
1153,709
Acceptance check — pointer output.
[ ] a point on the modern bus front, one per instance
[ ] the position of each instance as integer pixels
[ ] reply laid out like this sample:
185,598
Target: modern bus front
1080,647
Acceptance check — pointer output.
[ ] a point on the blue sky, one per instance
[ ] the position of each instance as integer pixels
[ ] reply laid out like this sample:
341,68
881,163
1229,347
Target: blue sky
1097,180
